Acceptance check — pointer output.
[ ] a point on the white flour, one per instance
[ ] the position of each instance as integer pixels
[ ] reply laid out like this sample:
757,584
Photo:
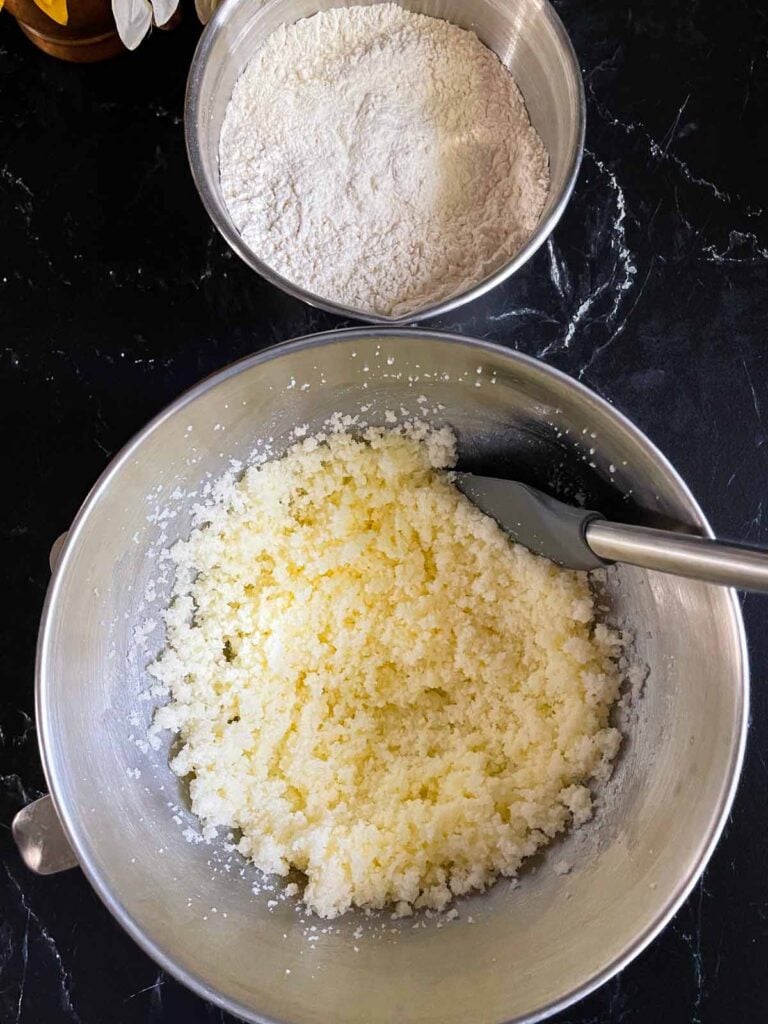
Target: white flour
381,159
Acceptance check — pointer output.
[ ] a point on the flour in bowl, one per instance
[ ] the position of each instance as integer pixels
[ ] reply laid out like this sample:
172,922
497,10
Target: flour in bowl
374,685
381,159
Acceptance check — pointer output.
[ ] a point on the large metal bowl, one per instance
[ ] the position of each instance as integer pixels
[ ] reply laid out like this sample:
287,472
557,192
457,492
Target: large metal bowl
531,950
528,37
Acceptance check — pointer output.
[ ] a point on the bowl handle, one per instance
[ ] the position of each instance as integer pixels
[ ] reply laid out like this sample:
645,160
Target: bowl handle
37,831
55,553
38,834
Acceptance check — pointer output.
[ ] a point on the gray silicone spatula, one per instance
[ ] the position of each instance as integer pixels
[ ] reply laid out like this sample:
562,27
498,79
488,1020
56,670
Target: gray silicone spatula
580,539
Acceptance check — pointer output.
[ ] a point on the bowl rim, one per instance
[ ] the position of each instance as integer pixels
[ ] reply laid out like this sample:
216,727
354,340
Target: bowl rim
219,215
69,816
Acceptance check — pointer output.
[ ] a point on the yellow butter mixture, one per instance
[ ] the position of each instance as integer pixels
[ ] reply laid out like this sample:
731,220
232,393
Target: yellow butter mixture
374,685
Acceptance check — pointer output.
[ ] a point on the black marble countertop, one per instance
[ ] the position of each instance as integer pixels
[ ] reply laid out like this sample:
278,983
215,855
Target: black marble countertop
116,293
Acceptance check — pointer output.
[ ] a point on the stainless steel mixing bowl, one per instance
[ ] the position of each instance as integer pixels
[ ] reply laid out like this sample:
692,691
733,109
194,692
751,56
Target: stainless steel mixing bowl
530,950
528,37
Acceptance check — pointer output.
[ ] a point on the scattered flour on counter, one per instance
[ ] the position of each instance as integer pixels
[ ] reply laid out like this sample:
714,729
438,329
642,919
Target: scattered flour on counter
380,158
373,684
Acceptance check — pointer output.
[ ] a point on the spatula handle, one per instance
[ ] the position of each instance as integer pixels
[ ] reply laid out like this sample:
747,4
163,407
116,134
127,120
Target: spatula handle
731,565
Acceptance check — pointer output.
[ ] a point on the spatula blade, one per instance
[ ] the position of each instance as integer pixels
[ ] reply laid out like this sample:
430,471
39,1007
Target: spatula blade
542,524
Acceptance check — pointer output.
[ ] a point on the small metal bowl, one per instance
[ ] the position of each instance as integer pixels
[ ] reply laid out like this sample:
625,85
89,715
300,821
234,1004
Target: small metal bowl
528,37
